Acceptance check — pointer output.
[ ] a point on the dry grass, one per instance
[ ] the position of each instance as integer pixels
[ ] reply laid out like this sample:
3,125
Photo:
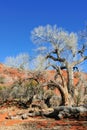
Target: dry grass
35,126
16,127
27,126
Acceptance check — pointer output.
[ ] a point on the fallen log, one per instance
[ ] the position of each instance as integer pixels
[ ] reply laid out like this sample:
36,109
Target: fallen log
61,112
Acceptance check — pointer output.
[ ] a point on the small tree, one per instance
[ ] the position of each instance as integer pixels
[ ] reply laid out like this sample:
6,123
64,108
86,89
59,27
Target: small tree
21,61
64,51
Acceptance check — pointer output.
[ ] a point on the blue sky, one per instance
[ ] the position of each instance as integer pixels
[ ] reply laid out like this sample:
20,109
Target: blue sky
19,17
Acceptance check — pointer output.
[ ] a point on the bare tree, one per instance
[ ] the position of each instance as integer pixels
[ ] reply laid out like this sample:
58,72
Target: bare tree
38,63
21,61
63,51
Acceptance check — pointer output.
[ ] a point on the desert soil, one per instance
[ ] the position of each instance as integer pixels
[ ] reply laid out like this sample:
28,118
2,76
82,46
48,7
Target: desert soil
37,123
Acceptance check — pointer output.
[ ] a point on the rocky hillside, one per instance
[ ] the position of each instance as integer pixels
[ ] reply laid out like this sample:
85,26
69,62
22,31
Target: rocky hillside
8,75
30,95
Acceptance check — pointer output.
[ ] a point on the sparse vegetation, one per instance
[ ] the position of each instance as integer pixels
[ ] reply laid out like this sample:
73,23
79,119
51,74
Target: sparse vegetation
34,90
2,79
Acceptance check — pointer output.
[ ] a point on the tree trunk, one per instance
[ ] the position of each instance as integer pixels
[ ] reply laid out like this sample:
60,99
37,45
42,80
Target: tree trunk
68,100
68,89
70,80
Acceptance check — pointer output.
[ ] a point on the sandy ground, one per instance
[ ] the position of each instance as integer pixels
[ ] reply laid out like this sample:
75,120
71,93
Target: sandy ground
36,123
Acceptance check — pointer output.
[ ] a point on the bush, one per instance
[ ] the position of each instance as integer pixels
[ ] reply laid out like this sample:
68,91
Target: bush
5,93
2,79
22,91
25,90
55,101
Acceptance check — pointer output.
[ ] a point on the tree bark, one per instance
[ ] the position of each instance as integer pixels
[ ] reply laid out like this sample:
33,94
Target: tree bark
70,80
66,97
61,112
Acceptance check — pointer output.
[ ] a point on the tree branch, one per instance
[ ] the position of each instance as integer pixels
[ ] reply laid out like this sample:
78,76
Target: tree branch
51,57
79,61
55,59
60,88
